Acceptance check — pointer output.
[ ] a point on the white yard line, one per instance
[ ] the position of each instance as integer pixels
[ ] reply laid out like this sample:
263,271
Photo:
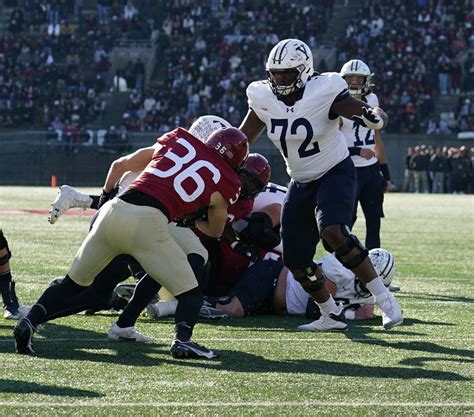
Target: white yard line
296,339
267,404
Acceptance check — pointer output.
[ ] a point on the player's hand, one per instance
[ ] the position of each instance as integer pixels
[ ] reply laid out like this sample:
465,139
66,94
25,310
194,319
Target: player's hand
250,251
370,118
388,187
367,153
104,197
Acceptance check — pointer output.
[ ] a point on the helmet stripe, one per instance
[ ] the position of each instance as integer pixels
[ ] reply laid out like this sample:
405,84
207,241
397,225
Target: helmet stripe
281,53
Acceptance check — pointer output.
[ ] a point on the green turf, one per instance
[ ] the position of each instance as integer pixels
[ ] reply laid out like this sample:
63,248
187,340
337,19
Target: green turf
266,367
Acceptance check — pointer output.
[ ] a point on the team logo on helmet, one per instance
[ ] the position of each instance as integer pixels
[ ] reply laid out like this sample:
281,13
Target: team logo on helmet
289,66
384,264
359,68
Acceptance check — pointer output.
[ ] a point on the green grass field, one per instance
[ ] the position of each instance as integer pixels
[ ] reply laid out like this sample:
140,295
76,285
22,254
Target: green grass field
266,367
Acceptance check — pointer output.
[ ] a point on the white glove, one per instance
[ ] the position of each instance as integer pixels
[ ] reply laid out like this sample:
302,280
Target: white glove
369,119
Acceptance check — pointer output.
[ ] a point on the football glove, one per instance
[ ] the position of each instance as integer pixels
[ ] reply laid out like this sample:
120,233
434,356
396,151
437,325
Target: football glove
104,197
250,251
369,119
190,219
259,231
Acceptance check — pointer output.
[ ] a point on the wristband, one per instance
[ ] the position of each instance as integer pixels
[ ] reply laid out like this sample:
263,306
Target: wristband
385,172
354,150
234,244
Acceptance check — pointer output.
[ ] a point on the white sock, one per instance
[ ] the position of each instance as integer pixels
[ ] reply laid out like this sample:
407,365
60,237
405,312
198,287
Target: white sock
166,308
329,306
377,288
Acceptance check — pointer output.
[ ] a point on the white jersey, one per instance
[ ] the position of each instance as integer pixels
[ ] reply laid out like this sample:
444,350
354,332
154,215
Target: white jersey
359,136
346,293
273,194
126,180
308,139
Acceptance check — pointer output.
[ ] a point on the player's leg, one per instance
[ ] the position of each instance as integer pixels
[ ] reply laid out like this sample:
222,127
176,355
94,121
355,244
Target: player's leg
147,287
300,236
164,260
95,253
371,201
7,285
333,214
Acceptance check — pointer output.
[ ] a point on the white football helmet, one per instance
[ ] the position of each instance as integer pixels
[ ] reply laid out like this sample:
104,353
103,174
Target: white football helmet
358,67
289,54
384,264
205,125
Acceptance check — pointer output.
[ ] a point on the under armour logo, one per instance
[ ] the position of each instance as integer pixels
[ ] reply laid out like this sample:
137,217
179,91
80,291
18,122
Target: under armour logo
288,109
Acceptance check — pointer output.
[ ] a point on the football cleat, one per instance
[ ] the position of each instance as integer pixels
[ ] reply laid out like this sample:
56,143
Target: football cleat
392,314
67,198
128,334
190,350
11,313
209,312
23,332
393,288
326,323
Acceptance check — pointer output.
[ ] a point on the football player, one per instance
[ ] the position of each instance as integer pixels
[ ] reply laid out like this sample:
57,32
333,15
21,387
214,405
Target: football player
7,285
268,286
300,110
183,175
367,152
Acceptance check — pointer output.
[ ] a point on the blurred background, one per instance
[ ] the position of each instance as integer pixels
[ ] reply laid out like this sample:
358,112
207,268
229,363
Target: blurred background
85,81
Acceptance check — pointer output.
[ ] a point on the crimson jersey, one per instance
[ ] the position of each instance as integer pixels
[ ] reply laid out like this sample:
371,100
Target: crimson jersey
184,173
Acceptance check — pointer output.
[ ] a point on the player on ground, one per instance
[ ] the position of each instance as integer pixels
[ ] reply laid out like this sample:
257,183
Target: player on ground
267,286
183,176
367,152
300,111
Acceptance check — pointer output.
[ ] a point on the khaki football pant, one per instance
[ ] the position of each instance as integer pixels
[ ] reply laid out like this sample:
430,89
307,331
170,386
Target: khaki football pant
139,231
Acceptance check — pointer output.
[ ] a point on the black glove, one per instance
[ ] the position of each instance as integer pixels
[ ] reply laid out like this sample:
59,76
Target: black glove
190,219
104,197
250,251
259,231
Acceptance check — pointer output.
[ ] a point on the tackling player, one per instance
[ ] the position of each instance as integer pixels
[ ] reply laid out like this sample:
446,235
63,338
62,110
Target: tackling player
300,110
183,175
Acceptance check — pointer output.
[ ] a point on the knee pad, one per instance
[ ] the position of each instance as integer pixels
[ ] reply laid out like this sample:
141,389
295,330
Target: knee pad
308,279
350,244
4,245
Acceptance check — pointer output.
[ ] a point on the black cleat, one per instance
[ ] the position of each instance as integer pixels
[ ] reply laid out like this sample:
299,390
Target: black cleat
23,332
190,350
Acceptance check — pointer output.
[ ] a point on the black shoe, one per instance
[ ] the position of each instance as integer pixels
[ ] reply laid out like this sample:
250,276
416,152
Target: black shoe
190,350
23,333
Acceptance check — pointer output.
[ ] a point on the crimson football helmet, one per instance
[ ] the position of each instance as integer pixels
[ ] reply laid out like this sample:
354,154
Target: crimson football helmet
230,143
254,175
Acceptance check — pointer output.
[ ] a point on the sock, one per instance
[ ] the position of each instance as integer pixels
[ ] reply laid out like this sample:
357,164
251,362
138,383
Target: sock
187,312
329,306
95,202
183,331
166,308
145,290
377,288
56,301
5,282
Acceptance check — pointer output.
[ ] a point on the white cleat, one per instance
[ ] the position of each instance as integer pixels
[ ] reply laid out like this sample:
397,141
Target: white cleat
326,323
128,334
392,314
67,198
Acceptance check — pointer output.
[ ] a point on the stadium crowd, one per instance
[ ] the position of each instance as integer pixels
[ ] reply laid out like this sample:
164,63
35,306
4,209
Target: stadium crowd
418,50
55,66
429,169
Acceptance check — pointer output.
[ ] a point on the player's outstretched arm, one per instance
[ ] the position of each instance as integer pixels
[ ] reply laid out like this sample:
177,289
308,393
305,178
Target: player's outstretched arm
351,108
252,126
136,161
